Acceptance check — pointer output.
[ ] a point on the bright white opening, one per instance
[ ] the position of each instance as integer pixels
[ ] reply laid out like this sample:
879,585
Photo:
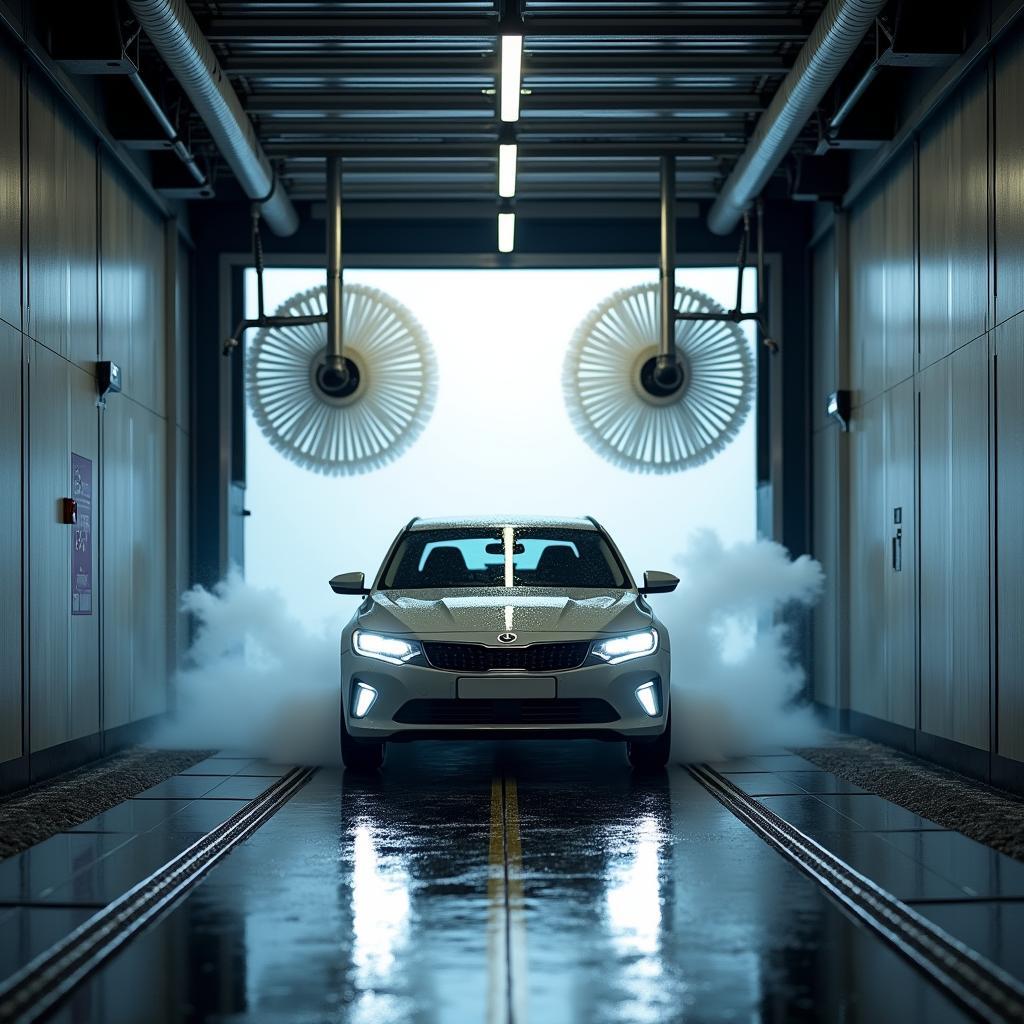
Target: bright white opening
648,698
511,76
506,232
364,698
507,158
499,439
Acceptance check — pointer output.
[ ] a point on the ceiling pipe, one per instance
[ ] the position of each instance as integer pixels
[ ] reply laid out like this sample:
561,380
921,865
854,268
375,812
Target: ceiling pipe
175,33
838,32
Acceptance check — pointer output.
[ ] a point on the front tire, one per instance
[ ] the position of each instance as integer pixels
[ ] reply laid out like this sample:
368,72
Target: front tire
651,755
361,755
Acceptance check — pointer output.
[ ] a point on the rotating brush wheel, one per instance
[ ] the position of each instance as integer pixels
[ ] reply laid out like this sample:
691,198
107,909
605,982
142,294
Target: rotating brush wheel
645,421
336,424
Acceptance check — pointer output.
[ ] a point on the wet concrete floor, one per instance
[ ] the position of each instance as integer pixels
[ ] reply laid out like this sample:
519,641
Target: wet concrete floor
509,882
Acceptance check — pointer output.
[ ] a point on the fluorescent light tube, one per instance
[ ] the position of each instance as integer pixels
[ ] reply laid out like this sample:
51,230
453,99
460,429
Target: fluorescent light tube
507,157
506,232
511,76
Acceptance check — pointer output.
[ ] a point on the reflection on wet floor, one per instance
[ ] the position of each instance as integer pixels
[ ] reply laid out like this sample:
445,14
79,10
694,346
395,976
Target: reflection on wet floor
526,882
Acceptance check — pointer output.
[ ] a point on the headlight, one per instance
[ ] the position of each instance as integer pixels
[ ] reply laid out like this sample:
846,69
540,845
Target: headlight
391,649
626,648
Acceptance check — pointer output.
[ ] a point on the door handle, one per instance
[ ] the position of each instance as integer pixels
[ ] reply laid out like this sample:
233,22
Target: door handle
897,552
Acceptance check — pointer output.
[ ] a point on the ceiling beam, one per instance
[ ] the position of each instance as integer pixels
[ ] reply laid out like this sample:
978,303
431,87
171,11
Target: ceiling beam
561,209
299,65
317,103
581,149
704,136
440,26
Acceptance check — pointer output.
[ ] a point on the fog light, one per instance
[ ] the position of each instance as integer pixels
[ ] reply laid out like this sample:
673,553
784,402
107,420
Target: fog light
363,699
647,698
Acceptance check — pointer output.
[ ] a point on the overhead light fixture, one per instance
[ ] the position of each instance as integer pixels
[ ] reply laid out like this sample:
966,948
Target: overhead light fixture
511,76
507,158
506,232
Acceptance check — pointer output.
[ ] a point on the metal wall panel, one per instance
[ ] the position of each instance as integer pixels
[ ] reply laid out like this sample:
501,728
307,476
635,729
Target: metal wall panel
183,342
1009,180
132,283
49,549
953,193
823,328
48,410
867,297
149,565
11,578
85,633
116,272
61,230
182,524
899,293
868,543
826,509
900,576
10,187
954,534
1009,465
117,494
148,315
135,575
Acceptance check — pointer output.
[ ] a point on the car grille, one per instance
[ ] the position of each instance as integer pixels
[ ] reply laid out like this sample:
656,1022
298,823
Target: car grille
568,711
533,658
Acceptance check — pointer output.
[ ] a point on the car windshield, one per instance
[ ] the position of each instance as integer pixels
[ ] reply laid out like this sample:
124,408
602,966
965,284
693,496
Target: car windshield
503,557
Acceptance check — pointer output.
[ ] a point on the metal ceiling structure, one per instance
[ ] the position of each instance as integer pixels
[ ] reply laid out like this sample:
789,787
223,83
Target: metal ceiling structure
407,92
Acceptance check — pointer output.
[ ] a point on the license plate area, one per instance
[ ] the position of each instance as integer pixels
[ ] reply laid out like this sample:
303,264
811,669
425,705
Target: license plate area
505,687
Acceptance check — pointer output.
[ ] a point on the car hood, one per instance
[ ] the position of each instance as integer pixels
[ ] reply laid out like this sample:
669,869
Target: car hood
524,611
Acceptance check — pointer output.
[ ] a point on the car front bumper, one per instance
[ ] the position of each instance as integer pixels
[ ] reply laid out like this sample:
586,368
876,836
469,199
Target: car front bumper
407,691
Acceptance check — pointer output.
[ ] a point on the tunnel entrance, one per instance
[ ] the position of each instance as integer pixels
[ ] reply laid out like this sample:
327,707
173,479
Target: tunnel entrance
500,436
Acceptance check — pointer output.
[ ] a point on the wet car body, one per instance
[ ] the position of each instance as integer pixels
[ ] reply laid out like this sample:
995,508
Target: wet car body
523,628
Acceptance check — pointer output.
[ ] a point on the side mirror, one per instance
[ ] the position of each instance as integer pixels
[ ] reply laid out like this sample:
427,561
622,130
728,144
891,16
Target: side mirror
659,583
350,583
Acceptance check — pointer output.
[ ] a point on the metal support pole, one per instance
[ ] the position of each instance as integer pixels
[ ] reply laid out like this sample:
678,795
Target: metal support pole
667,370
257,254
335,360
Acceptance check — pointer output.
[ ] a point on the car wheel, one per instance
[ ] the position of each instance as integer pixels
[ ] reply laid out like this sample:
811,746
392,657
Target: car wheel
360,755
651,755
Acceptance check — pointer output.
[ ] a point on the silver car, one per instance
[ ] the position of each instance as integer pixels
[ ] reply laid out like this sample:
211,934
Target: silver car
504,628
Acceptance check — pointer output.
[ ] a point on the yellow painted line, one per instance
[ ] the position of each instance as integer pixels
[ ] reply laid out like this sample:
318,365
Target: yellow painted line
506,925
516,906
497,929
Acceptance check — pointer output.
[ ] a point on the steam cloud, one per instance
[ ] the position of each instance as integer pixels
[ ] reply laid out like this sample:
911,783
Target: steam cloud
258,680
734,680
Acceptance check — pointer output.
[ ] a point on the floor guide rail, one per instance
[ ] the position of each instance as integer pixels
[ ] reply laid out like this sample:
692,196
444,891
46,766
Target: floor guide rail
41,984
978,985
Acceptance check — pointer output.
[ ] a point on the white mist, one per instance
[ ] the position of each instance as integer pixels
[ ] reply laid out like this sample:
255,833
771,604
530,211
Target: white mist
258,680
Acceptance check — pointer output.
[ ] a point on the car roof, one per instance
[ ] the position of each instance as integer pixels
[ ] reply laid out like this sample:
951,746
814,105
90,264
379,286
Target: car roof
482,522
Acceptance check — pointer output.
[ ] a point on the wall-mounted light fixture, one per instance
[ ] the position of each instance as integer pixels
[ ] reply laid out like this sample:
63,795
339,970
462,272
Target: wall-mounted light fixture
837,405
108,381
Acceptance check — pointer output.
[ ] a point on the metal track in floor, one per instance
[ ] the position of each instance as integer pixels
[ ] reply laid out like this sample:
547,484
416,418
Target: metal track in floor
976,984
37,988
